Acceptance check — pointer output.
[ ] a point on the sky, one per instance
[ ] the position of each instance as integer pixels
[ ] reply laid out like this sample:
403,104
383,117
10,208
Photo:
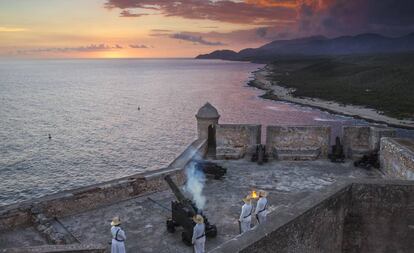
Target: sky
184,28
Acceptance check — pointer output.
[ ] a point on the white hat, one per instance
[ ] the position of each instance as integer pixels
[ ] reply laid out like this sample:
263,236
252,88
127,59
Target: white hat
247,199
262,193
116,221
198,219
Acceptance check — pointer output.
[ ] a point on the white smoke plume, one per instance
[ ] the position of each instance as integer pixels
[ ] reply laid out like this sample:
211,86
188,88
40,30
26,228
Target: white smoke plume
195,184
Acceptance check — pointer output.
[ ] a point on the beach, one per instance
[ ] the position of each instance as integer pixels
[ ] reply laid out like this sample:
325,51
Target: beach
279,93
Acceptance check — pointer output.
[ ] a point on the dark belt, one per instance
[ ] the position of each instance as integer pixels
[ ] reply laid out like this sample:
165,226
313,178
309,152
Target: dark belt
261,210
116,236
251,210
201,236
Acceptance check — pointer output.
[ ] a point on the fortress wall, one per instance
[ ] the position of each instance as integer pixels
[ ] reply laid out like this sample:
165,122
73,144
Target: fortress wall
377,133
381,218
74,201
365,216
359,140
71,248
312,225
356,140
243,138
298,139
397,158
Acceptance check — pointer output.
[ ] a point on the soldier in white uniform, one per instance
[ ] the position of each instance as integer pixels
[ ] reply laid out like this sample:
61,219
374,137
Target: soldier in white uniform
199,236
261,207
118,236
246,215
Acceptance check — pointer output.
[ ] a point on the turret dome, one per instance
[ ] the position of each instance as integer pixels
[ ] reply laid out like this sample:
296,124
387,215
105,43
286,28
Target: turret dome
207,112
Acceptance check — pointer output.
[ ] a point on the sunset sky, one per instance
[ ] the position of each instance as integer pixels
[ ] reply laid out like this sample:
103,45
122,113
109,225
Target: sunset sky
186,28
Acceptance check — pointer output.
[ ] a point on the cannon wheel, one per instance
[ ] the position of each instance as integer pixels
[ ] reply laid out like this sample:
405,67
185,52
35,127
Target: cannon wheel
211,231
186,238
170,226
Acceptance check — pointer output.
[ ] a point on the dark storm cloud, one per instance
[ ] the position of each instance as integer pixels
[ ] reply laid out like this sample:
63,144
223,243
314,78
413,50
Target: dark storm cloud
195,39
225,10
356,16
261,32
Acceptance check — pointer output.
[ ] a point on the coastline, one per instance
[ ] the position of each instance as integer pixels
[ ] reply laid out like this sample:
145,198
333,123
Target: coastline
279,93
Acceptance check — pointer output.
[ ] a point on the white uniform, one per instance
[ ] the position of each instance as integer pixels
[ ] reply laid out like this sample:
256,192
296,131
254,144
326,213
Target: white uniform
261,209
199,237
118,238
246,217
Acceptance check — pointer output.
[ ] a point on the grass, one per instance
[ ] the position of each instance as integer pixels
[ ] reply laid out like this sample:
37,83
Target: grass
381,82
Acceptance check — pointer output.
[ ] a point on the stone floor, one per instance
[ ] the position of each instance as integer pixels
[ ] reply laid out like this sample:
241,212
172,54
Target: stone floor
144,222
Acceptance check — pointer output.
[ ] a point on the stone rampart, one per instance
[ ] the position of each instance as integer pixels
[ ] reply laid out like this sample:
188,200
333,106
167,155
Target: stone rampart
298,142
72,248
73,201
234,140
397,158
361,140
364,216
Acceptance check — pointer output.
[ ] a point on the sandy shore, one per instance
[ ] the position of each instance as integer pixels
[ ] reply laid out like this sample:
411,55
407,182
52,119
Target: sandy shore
276,92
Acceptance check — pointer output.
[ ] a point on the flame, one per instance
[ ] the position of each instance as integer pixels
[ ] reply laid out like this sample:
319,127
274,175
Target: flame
254,195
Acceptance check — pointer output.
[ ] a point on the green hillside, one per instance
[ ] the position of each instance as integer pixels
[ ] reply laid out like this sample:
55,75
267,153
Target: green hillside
382,82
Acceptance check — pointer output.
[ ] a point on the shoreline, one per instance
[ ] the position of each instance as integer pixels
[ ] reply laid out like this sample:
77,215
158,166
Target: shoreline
279,93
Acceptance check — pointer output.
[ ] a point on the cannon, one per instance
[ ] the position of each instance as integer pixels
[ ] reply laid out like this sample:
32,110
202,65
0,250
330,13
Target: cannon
337,155
210,168
260,155
182,212
368,161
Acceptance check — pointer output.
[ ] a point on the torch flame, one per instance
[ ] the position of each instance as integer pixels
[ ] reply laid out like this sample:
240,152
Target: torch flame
254,195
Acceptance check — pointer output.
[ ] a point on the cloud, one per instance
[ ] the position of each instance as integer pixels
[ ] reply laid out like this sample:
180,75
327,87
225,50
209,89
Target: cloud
195,39
128,14
12,29
339,17
250,12
160,30
138,46
89,48
293,18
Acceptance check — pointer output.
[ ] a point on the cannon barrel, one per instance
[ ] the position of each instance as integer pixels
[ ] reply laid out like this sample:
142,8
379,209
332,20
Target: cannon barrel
180,196
182,212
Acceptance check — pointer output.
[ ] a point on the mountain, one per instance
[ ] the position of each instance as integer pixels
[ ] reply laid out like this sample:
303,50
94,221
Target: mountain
318,45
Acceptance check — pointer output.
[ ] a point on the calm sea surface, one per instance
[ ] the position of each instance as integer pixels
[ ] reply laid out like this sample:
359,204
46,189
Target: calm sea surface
90,108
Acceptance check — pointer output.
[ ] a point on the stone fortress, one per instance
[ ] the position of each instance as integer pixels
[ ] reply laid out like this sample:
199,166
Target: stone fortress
315,205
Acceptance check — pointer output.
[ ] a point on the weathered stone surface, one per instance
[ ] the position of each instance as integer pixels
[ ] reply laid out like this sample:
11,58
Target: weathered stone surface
359,217
356,141
73,248
94,196
397,158
361,140
381,215
206,116
234,141
377,133
298,142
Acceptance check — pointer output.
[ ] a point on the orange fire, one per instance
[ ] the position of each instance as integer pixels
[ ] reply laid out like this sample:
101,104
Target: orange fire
254,195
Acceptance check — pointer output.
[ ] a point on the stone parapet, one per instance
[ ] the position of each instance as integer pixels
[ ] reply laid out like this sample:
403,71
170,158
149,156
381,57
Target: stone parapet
72,248
397,158
235,140
298,142
361,140
352,216
86,198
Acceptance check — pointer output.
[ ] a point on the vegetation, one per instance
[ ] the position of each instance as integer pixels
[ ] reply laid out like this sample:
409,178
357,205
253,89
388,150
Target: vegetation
384,82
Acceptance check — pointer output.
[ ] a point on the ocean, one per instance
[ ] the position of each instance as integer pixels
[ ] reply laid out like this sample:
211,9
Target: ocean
116,117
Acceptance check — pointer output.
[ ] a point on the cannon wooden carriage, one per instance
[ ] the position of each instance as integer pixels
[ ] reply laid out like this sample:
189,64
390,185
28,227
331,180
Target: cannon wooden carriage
182,212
